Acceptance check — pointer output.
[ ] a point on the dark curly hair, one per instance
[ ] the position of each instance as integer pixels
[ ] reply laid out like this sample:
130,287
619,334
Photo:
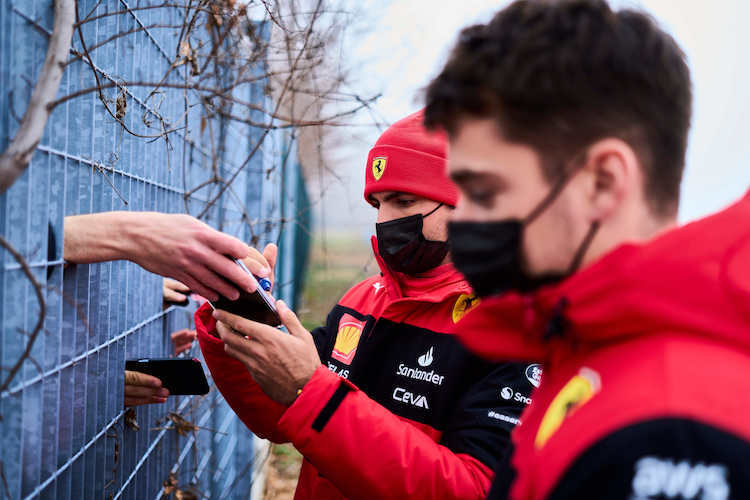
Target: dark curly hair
559,75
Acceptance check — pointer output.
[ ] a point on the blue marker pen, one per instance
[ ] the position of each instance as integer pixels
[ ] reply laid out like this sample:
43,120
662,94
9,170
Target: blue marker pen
264,284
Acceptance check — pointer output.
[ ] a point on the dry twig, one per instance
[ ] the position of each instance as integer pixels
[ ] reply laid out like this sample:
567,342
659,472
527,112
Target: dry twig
42,312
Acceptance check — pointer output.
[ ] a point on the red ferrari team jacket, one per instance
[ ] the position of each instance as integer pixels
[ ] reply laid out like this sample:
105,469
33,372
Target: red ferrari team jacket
646,386
398,409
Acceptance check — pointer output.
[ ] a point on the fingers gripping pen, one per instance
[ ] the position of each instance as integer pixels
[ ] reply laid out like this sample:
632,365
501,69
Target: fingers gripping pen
263,282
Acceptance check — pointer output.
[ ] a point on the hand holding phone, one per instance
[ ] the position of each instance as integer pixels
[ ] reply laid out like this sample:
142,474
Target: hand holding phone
143,389
257,306
180,376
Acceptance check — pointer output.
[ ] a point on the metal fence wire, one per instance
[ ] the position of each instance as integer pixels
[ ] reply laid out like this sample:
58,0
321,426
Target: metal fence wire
63,427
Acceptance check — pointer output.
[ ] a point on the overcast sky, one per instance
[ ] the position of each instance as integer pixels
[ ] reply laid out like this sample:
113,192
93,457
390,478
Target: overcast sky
409,40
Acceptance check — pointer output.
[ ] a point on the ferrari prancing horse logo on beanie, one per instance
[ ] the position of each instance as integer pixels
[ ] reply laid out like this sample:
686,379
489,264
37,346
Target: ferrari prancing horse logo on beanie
378,166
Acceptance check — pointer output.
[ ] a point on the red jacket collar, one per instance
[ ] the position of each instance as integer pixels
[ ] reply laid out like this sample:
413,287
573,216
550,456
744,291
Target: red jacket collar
434,285
694,279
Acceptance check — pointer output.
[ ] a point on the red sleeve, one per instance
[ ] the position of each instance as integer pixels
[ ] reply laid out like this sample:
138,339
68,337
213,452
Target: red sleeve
360,446
259,413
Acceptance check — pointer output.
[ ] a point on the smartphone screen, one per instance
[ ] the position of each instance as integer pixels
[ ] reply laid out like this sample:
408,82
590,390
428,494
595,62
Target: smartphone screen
257,306
181,376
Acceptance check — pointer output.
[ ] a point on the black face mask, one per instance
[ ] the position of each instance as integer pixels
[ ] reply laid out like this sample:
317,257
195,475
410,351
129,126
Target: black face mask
405,249
490,254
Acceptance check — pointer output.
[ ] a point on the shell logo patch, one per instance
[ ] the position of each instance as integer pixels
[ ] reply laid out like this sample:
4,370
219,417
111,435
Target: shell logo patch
577,392
378,166
347,339
464,304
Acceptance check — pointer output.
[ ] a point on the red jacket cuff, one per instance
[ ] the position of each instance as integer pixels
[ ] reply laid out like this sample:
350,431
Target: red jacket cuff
231,377
205,325
298,418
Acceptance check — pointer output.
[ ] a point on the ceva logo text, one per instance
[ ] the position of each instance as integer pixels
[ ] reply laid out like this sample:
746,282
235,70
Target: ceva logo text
401,394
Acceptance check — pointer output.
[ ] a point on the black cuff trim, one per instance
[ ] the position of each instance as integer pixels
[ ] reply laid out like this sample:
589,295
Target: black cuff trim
327,412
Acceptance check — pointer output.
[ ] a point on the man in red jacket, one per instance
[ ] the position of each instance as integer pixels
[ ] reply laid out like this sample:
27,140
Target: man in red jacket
568,126
397,408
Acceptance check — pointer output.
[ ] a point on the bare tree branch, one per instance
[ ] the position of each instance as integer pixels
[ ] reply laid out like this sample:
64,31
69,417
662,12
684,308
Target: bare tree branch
293,66
42,311
279,71
17,156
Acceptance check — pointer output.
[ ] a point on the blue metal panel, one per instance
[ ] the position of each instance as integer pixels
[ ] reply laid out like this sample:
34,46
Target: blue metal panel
61,420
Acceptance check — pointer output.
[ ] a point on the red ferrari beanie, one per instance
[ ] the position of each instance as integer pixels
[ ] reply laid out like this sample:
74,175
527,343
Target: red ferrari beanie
409,159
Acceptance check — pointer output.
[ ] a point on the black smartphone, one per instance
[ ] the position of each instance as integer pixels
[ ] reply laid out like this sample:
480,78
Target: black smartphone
182,376
257,306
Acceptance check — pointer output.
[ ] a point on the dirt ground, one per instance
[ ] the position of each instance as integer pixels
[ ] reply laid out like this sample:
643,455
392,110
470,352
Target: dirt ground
282,471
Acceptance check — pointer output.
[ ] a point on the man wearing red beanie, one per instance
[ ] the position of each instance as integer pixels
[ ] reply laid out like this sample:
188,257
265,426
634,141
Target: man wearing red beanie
381,401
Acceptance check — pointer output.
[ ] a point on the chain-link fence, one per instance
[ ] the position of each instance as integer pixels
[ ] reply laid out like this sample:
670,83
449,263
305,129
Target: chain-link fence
131,130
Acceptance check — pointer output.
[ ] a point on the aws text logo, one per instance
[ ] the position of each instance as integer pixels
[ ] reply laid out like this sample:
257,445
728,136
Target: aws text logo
347,339
657,477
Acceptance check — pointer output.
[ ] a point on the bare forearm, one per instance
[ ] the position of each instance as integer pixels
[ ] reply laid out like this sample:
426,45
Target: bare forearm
97,237
177,246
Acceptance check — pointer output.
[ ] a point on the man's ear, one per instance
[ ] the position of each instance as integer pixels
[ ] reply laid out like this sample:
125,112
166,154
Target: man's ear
614,174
